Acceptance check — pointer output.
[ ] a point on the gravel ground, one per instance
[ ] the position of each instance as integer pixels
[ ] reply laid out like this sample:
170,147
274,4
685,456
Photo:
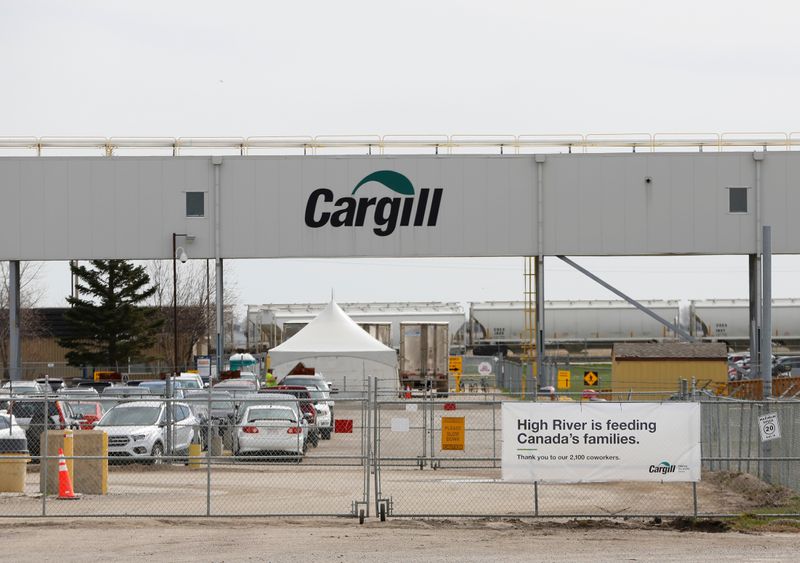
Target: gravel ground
306,540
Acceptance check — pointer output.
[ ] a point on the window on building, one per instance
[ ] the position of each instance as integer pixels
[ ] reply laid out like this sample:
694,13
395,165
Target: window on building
195,204
737,200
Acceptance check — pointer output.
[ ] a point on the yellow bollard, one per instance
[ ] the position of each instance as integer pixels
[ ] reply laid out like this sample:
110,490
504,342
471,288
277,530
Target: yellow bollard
195,456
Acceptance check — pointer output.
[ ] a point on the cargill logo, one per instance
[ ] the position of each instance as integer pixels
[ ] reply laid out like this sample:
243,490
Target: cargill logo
663,467
386,213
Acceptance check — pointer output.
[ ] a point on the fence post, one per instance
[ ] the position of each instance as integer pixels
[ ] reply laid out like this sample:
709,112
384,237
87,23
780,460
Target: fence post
43,453
494,430
375,443
424,433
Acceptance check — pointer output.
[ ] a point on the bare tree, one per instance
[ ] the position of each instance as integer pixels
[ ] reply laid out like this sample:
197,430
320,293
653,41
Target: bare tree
196,310
30,295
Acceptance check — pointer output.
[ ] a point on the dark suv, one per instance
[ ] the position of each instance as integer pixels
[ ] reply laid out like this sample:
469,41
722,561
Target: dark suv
30,416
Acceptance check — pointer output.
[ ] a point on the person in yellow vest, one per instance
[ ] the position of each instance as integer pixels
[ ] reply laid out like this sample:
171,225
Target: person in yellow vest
271,379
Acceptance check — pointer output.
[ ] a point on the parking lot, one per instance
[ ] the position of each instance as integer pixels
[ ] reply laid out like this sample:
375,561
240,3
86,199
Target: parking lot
415,478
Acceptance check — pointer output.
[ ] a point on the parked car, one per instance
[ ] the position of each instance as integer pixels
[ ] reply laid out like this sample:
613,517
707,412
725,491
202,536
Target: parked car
250,376
271,429
29,408
137,430
55,383
159,388
236,387
786,365
9,427
24,387
223,411
79,392
12,435
307,407
87,413
98,386
190,381
30,415
318,382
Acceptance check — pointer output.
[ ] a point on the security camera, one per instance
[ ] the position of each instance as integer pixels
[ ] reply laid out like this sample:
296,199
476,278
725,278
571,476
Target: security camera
182,256
648,180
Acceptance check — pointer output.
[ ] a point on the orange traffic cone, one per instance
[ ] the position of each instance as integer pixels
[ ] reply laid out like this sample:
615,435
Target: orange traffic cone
64,482
408,392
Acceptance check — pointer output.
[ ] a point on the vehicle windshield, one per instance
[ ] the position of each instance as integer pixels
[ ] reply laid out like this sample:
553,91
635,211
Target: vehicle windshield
188,383
219,402
82,409
131,416
319,395
305,381
26,409
255,415
4,425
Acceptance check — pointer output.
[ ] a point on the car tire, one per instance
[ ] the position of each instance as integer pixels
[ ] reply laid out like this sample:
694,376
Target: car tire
157,454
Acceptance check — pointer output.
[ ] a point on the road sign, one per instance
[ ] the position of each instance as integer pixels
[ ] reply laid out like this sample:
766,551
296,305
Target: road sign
590,378
769,426
456,364
452,432
485,368
563,379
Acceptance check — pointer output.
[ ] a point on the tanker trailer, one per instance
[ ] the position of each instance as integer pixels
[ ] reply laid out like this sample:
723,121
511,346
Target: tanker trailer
424,351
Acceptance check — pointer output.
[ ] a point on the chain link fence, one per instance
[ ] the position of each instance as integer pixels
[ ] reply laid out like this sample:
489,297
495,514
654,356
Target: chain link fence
267,454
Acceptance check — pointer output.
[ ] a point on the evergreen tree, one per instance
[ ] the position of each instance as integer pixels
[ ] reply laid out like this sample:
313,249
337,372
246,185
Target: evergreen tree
107,324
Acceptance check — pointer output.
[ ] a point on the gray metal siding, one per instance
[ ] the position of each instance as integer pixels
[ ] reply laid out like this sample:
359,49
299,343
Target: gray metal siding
57,208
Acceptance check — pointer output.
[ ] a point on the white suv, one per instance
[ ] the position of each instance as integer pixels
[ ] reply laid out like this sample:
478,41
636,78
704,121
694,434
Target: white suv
137,430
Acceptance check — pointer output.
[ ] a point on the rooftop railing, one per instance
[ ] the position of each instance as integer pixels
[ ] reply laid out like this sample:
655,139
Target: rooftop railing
399,144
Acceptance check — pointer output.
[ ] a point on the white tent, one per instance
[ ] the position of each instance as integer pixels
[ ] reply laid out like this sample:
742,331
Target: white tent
343,352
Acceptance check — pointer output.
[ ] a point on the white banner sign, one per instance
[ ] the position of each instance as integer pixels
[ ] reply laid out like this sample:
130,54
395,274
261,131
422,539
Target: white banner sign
585,442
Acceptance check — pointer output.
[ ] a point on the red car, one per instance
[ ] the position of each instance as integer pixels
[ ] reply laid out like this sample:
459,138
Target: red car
87,413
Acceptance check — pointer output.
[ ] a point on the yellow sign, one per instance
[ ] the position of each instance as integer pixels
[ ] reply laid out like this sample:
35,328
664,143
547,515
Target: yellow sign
590,378
563,379
452,432
456,363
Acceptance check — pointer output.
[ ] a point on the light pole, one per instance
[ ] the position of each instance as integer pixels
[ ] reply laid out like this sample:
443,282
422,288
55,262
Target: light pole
183,258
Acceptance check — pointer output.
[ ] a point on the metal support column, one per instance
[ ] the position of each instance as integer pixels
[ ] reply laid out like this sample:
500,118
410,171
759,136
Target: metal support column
766,312
755,273
216,161
539,379
14,349
754,276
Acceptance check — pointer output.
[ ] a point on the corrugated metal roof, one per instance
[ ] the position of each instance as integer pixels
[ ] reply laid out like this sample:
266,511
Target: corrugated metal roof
671,351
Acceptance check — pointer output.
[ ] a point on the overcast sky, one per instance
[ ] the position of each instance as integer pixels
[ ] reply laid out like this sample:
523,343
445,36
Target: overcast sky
194,68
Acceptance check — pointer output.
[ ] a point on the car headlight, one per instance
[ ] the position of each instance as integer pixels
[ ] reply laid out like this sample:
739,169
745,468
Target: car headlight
137,437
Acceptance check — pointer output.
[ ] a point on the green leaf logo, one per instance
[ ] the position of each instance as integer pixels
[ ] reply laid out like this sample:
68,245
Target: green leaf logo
391,179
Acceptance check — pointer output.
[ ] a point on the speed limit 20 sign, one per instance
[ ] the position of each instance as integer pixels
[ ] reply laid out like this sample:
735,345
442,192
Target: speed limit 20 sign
768,424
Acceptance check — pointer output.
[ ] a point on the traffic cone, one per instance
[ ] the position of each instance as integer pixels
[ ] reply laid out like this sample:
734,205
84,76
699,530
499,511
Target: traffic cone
64,482
408,392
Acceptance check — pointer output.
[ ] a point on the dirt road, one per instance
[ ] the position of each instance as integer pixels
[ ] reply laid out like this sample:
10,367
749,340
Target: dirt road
307,540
